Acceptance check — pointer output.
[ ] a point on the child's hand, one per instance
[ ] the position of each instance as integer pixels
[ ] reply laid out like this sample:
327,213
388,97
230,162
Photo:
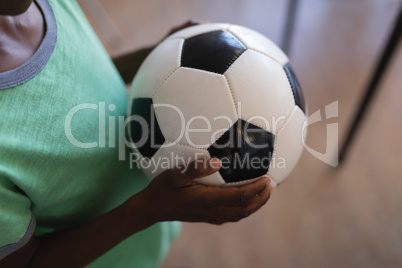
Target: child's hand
173,195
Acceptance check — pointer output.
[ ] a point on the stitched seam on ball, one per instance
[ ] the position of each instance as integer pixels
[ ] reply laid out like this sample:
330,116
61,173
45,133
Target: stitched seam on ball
270,130
164,81
233,97
260,126
279,131
235,110
233,59
202,32
180,53
201,70
265,54
253,49
291,86
287,121
241,41
238,38
185,145
218,137
241,182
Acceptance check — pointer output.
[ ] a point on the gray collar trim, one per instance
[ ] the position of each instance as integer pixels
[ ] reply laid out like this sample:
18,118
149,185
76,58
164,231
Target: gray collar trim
37,62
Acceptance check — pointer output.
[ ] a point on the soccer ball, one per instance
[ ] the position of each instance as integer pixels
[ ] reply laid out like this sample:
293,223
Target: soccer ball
217,90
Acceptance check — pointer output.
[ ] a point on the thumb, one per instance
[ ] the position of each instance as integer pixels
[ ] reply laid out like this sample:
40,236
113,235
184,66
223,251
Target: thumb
196,169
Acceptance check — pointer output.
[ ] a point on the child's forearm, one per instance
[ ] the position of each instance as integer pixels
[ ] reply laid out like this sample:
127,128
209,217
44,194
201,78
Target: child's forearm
82,244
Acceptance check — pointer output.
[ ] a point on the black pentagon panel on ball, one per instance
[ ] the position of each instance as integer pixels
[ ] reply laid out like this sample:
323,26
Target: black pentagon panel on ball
245,150
296,89
145,131
212,51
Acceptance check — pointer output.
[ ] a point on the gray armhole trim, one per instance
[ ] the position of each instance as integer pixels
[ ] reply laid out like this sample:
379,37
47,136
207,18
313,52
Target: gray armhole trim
7,250
39,59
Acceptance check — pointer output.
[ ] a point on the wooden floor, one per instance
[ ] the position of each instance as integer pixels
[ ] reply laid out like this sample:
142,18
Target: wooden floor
320,216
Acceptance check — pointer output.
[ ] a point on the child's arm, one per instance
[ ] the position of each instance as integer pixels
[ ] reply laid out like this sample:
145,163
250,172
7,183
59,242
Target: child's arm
172,195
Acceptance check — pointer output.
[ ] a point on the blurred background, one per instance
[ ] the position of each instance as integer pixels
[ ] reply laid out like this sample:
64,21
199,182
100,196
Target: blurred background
350,216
